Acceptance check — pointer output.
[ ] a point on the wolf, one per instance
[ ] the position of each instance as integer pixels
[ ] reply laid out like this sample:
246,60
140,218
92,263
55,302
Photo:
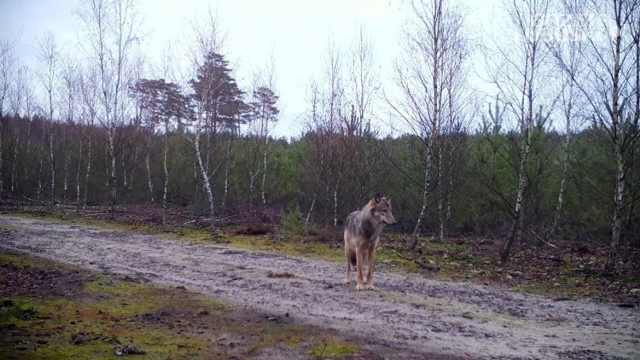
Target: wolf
361,235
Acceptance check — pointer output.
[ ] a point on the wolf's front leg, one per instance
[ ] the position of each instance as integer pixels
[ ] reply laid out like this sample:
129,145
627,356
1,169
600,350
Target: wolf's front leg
359,260
371,256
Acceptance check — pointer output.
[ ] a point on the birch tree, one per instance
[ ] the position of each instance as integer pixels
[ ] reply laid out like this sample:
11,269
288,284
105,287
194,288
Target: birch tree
48,74
362,87
213,87
517,75
429,44
325,127
7,65
455,106
89,109
69,94
568,52
610,31
111,30
207,43
21,102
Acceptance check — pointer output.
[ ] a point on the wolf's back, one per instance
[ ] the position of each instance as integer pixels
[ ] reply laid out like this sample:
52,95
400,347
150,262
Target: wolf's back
352,222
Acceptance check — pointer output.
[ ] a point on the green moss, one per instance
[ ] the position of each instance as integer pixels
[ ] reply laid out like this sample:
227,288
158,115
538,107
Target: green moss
109,284
289,247
191,234
17,260
95,349
102,321
567,286
13,227
390,256
334,349
293,340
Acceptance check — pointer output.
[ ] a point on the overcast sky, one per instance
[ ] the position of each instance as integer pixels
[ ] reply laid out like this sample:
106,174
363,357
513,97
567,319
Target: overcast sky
296,31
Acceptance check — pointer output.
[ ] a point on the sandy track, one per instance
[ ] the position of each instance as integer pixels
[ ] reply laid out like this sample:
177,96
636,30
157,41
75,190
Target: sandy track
409,316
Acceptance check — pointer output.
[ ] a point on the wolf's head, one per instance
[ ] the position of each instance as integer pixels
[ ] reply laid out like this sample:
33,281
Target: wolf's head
381,210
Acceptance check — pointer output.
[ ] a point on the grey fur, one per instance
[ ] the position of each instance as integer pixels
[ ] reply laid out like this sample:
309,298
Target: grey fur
363,225
361,235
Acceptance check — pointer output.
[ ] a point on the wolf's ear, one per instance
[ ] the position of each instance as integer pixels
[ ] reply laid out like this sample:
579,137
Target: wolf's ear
377,198
388,198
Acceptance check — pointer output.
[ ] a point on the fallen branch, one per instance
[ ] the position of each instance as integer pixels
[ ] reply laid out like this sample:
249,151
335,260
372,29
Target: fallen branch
32,200
419,262
541,239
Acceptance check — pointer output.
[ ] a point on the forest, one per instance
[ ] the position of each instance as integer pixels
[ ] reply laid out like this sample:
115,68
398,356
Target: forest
550,155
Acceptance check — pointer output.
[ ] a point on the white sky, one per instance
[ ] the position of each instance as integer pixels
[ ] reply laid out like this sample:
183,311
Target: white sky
297,31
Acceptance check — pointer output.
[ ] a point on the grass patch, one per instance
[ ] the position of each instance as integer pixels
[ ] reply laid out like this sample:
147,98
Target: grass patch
447,245
334,350
118,287
287,246
17,260
7,227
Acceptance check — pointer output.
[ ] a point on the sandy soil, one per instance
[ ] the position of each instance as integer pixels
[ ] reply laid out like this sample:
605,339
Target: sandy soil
408,316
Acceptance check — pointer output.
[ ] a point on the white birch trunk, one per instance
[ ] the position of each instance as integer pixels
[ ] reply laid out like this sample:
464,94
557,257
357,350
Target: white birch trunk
335,204
440,195
113,180
166,175
518,217
226,172
425,192
563,181
86,176
65,182
107,169
617,123
207,152
618,204
450,184
313,204
14,162
196,190
205,179
264,170
52,169
149,179
27,153
78,170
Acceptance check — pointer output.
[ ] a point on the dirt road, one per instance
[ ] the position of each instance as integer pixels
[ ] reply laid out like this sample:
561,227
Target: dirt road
408,316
